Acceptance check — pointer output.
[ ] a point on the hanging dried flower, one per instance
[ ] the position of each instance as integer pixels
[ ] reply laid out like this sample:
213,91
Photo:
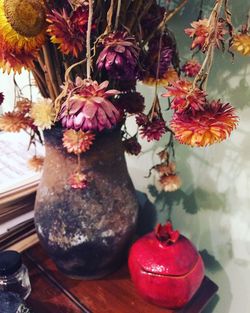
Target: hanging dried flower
205,127
23,105
185,96
14,122
241,44
151,129
36,163
191,68
10,21
1,98
163,155
88,108
78,181
69,31
170,183
165,168
159,56
132,146
43,114
131,102
170,76
200,32
77,141
119,56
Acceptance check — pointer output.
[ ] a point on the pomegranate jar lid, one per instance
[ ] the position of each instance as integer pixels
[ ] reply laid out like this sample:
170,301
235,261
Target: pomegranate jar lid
157,257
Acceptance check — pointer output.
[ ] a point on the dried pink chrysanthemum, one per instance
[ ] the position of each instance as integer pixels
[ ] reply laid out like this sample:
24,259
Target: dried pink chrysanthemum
88,108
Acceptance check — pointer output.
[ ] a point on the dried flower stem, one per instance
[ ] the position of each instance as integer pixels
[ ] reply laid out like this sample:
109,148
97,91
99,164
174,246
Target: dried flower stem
50,69
118,10
88,41
211,42
63,94
110,16
156,103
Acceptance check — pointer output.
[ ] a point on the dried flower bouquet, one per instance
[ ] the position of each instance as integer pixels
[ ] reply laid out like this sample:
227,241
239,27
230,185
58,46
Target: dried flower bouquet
86,58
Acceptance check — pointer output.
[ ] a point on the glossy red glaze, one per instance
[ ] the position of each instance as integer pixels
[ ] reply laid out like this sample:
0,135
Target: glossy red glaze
166,275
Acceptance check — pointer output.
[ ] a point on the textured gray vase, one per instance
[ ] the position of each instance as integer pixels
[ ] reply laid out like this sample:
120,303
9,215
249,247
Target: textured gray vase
86,232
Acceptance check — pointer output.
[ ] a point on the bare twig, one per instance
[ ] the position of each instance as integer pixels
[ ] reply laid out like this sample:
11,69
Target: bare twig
88,40
109,17
118,10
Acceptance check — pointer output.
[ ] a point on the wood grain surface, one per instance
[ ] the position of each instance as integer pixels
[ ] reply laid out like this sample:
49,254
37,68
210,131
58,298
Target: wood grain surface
52,292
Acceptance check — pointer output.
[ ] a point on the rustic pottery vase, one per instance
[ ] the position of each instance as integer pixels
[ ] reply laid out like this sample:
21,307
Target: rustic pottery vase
87,232
166,268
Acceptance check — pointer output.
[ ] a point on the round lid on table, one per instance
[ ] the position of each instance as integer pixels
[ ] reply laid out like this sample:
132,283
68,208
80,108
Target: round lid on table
156,257
10,262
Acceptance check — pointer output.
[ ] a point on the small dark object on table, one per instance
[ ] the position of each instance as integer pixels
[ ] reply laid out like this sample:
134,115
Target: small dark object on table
11,302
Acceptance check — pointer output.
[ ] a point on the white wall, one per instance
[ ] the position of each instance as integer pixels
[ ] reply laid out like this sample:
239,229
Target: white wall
213,206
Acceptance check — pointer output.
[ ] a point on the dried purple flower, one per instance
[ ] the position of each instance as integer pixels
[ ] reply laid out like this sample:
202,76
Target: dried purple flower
150,61
131,102
151,129
132,146
1,98
119,56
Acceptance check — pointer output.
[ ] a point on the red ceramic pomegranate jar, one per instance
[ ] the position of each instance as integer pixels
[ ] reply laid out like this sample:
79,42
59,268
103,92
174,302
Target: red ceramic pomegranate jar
166,268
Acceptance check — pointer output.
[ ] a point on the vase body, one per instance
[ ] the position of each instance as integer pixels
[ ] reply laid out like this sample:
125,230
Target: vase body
86,232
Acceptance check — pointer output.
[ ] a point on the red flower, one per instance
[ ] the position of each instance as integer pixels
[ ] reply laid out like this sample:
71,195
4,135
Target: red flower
200,32
205,127
191,68
185,96
151,129
69,31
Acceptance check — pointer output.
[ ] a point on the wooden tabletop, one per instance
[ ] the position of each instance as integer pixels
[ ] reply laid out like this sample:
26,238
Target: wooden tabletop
52,292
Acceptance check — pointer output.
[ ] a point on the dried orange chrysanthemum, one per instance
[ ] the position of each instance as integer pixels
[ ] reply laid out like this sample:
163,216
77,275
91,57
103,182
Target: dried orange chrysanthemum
36,163
77,141
170,76
165,168
205,127
14,59
241,43
14,122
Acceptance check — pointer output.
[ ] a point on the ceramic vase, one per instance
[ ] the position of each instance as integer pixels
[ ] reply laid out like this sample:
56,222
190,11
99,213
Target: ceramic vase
86,232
